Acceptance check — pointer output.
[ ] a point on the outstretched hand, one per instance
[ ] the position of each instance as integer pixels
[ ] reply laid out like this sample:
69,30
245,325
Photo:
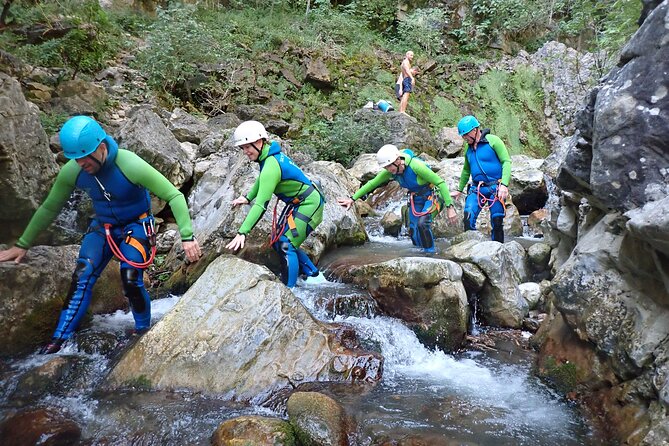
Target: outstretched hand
451,215
345,202
237,242
502,193
14,253
192,250
240,200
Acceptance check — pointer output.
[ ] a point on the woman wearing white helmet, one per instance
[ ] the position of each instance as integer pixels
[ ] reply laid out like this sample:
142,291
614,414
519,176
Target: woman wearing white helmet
428,192
280,176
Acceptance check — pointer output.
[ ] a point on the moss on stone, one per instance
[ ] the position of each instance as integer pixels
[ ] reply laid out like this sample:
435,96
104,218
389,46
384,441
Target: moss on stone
564,376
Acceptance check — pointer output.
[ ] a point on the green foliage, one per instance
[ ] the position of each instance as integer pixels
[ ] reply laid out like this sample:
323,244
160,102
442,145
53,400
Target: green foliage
177,43
379,14
594,24
342,140
564,376
86,48
503,99
444,113
424,29
52,122
598,26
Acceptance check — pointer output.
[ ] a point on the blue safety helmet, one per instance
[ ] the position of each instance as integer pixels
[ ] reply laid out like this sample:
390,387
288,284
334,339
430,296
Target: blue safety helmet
467,124
80,136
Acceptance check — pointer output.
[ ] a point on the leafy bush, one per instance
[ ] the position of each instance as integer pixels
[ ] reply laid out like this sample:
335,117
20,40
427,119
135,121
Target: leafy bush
87,47
52,122
176,44
342,140
379,14
424,29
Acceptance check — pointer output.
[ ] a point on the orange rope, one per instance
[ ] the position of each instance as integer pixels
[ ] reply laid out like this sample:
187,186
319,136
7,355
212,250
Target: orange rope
276,235
435,205
117,252
485,202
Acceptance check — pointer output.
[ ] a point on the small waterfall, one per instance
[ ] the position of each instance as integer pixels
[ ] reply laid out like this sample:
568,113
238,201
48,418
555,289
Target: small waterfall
472,397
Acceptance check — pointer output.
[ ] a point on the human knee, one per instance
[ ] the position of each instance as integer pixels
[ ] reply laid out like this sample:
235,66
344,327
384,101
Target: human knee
424,222
132,289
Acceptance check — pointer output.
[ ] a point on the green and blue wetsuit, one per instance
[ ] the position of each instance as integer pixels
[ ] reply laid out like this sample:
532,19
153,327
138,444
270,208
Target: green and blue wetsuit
280,176
429,193
120,195
488,165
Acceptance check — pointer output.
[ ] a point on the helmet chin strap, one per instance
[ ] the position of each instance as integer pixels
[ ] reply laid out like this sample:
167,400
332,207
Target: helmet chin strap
94,159
97,161
259,150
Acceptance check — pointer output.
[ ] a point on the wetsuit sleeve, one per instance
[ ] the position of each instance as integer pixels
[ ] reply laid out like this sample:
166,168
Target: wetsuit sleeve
503,154
464,175
47,212
269,178
143,174
380,179
426,174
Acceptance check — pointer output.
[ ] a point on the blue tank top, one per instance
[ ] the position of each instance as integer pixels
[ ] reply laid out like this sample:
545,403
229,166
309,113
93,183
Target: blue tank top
116,200
484,165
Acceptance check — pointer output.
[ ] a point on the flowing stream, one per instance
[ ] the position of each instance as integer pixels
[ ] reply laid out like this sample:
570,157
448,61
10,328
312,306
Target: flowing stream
472,398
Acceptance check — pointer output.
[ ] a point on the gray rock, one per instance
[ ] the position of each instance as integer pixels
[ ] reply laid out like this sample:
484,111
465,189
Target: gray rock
318,418
145,134
28,165
249,337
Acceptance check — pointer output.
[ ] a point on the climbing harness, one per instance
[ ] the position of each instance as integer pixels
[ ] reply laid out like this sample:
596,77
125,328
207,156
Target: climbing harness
436,205
485,202
149,230
289,214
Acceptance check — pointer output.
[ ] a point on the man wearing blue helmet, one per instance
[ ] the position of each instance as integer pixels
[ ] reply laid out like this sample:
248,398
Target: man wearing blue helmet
118,182
488,163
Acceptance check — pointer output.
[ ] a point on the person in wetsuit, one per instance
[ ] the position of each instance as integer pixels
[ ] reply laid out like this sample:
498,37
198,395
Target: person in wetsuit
428,192
304,202
488,163
118,182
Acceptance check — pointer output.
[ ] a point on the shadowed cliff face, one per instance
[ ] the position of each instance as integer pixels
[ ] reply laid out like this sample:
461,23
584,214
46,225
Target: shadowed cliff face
612,290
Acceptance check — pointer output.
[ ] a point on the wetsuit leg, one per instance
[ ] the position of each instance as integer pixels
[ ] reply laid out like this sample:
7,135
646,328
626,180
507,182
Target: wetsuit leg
94,255
425,228
414,233
290,266
471,211
497,221
135,247
306,216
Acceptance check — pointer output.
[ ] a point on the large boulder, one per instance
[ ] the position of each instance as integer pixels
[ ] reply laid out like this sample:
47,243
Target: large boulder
248,336
318,419
78,97
186,127
604,306
527,187
426,293
501,301
33,293
145,134
566,73
28,166
628,152
403,131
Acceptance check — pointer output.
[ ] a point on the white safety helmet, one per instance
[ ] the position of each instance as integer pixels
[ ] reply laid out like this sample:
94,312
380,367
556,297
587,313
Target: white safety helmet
387,155
249,132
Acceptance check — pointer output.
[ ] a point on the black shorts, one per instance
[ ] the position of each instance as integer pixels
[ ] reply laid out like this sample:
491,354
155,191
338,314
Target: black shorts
406,85
397,92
